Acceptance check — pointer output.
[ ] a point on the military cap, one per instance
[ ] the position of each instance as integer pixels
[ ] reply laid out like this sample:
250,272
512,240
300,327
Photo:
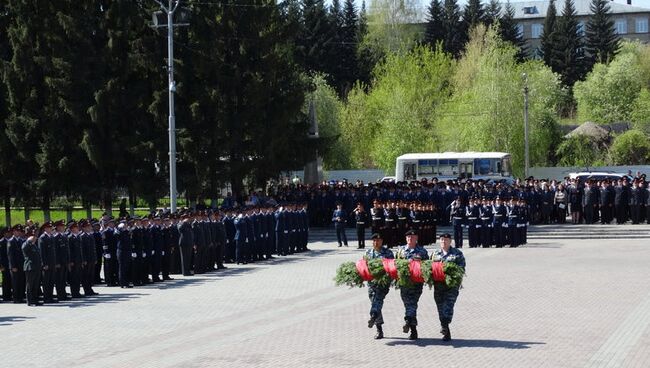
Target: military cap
411,232
82,223
72,224
46,224
375,236
59,223
445,235
18,227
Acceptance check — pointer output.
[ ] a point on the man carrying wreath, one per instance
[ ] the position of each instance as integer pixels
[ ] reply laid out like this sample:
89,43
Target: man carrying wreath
444,296
377,292
411,294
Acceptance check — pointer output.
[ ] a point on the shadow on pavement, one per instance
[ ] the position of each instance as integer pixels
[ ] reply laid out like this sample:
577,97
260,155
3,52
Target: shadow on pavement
92,300
10,320
465,343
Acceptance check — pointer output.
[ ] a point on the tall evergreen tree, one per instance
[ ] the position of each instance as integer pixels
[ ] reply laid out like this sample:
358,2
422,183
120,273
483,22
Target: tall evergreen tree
601,42
316,39
510,32
435,28
473,14
348,49
492,12
262,92
34,112
571,62
549,39
451,20
7,149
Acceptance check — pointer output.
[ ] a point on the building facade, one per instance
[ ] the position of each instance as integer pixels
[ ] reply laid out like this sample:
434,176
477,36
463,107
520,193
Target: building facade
630,22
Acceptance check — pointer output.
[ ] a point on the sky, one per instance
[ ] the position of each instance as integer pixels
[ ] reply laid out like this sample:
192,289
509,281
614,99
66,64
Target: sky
425,3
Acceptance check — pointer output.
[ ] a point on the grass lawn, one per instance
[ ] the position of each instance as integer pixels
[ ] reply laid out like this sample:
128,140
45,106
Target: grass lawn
18,216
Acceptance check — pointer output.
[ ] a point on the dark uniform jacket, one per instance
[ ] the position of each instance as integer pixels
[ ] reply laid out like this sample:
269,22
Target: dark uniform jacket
62,249
88,252
74,244
32,256
15,256
185,234
48,252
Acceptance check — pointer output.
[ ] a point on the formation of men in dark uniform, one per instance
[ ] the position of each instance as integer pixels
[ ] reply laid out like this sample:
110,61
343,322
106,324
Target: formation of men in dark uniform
38,264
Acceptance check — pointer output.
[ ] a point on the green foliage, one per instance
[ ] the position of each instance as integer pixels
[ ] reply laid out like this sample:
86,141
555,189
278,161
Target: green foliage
379,274
397,115
347,274
608,93
631,148
510,32
578,150
486,111
641,111
328,110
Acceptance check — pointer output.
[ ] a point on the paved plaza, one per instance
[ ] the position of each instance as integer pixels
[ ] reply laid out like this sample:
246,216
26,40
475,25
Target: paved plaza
575,296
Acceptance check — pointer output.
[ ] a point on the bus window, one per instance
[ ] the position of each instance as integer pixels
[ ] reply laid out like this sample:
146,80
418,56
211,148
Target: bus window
427,167
466,170
482,166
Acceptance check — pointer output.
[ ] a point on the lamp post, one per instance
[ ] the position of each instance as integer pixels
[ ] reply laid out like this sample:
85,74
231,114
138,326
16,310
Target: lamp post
158,21
526,162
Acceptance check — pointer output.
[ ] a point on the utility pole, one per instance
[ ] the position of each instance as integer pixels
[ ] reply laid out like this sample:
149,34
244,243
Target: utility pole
169,10
526,161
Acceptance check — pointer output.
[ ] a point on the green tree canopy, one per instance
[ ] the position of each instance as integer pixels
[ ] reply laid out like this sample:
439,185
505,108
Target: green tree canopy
631,148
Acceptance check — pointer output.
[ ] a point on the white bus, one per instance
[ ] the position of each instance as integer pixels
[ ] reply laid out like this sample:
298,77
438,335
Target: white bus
453,165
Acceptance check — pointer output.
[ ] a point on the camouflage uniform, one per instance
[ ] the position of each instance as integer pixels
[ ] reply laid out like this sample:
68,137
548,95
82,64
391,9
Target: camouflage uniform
377,293
411,295
445,297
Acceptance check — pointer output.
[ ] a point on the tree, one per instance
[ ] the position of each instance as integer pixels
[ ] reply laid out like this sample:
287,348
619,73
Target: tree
609,92
7,149
602,42
398,114
473,14
578,150
454,35
492,12
570,60
261,94
549,39
315,41
328,110
631,148
510,32
485,111
348,49
434,32
641,112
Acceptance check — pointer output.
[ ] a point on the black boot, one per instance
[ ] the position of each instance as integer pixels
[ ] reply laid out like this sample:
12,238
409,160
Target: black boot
373,318
414,333
446,333
407,324
380,333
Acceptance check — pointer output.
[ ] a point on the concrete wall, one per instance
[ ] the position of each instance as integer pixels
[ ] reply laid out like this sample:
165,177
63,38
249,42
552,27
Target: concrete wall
367,176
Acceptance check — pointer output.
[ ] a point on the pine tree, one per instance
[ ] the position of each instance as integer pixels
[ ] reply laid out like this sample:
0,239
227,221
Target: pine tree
602,42
348,49
435,29
365,58
571,62
492,12
316,39
510,32
7,149
451,20
549,41
261,93
473,14
34,112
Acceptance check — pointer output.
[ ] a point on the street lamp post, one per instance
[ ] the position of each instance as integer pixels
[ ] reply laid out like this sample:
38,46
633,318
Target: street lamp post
526,161
169,10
